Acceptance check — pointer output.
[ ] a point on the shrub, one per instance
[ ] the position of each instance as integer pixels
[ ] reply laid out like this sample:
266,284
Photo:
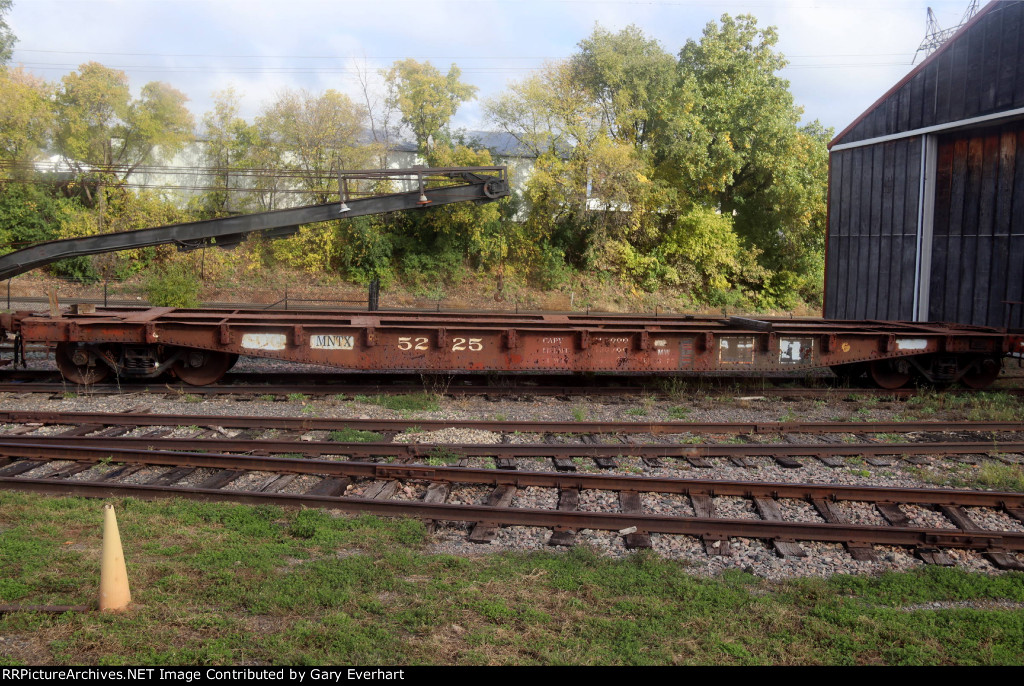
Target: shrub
172,286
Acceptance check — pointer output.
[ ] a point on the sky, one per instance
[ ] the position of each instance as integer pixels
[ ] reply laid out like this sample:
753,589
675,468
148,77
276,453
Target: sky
843,55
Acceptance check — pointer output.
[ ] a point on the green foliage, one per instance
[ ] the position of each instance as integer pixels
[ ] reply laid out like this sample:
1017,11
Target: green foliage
172,285
426,98
7,38
29,213
690,172
77,269
119,209
550,268
425,402
99,125
350,435
773,173
26,116
365,249
313,137
440,456
229,149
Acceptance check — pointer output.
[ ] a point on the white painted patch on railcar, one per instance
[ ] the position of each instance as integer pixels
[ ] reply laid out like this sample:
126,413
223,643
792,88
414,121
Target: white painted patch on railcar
660,343
264,341
793,350
328,342
911,343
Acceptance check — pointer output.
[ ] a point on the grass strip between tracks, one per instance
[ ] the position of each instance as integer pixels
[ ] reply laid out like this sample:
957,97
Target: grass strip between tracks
230,584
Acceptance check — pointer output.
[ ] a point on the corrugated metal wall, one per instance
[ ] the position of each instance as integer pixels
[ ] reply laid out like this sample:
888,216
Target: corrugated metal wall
872,237
981,73
968,215
978,236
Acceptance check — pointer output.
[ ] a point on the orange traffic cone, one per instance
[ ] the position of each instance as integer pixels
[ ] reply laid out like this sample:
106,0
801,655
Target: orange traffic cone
114,593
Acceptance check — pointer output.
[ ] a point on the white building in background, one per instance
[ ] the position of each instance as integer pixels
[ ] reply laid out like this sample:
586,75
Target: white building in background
185,176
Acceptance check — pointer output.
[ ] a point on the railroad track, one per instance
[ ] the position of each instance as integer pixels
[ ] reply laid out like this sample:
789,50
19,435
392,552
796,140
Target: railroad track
564,444
279,385
129,420
929,521
563,456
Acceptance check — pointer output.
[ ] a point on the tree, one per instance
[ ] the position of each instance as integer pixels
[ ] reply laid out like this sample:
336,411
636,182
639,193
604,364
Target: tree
315,137
229,142
7,37
631,79
768,173
553,117
100,127
426,98
592,195
26,119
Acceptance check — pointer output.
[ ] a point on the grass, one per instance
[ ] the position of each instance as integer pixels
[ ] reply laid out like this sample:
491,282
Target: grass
350,435
297,397
679,413
990,406
990,475
892,438
414,402
440,456
789,416
227,584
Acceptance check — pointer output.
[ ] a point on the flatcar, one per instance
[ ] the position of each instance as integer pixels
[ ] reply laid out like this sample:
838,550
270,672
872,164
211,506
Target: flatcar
198,346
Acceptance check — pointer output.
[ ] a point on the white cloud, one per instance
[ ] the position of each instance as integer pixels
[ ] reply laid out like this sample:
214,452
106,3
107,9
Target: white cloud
262,46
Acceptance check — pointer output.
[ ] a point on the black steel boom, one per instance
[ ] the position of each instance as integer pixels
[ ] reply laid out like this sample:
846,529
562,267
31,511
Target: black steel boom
481,184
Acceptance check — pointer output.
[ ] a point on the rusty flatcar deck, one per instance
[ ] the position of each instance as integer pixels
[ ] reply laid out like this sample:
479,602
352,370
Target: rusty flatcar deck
200,345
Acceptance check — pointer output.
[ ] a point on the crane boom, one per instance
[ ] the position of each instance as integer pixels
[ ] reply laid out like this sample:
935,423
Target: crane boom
480,184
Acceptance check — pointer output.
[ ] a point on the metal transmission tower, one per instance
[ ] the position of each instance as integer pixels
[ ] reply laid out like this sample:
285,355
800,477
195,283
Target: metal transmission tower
935,35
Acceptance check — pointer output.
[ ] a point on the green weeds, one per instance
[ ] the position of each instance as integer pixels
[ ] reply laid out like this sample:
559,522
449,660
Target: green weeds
440,456
350,435
414,402
679,413
216,584
990,406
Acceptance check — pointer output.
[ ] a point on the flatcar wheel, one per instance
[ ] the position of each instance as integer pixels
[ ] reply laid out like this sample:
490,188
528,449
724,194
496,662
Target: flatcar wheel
202,367
889,374
983,373
74,366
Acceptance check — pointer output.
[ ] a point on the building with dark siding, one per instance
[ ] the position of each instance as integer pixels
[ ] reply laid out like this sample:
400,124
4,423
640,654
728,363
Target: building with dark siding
926,188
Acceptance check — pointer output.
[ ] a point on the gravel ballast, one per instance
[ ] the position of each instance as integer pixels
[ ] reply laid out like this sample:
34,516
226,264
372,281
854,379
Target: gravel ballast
753,555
